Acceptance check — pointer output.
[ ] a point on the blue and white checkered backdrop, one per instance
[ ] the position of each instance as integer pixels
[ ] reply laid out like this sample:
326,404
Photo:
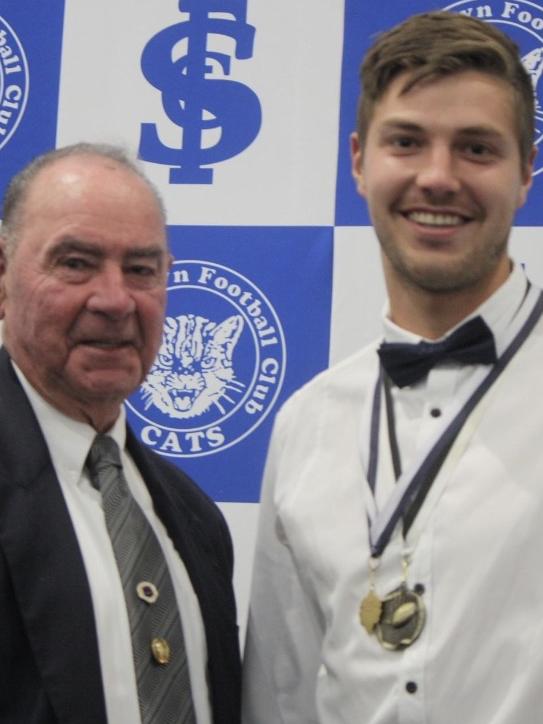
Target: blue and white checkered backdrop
241,112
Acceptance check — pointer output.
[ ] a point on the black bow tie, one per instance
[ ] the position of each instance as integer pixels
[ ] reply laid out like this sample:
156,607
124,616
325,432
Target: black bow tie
472,343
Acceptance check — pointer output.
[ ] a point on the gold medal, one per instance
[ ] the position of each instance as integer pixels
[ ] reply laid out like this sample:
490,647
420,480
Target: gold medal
402,619
370,611
397,619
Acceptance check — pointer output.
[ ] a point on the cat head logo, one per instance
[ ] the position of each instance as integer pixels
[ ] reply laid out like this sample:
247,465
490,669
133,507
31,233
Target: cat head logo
220,366
523,21
14,82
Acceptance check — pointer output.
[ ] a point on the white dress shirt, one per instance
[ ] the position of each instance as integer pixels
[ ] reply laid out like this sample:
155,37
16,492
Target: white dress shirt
69,442
475,550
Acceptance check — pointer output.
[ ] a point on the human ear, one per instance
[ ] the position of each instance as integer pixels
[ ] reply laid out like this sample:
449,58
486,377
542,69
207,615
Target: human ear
3,266
527,178
356,163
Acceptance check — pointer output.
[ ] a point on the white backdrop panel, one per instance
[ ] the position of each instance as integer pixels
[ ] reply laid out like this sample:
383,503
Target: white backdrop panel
287,176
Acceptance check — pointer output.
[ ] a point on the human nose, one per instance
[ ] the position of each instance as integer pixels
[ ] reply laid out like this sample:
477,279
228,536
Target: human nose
438,175
110,294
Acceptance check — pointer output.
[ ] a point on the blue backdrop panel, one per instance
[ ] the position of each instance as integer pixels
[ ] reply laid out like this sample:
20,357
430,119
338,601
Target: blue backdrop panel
241,111
248,322
522,20
30,49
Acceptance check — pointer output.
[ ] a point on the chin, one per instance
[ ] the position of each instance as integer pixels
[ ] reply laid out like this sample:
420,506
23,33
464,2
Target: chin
443,277
115,386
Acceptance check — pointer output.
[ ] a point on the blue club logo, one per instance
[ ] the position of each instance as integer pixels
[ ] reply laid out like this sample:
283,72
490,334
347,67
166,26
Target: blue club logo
14,82
523,21
219,117
220,367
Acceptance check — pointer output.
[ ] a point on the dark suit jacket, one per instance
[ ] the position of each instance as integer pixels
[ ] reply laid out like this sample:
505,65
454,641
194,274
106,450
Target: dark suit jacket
49,665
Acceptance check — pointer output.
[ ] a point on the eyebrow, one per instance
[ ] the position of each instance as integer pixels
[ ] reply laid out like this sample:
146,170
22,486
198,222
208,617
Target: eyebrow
69,244
408,126
392,124
481,132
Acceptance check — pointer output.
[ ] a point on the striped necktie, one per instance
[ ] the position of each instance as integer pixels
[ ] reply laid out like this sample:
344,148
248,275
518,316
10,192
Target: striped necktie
158,646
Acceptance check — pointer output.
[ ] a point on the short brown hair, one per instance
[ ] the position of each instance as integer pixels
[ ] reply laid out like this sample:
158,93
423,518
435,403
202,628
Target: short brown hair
431,45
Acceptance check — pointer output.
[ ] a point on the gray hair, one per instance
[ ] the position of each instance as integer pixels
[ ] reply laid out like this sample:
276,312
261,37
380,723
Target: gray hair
17,189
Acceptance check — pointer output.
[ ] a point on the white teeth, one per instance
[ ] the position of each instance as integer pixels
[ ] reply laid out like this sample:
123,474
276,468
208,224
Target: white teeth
434,219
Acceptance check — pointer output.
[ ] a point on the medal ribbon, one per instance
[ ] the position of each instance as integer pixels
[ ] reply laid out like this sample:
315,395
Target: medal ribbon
413,484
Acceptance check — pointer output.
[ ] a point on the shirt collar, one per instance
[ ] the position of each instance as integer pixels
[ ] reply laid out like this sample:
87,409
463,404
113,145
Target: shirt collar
68,440
497,311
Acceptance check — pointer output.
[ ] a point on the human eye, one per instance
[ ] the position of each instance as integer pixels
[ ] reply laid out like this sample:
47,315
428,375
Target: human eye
142,270
74,267
479,151
75,263
403,143
144,273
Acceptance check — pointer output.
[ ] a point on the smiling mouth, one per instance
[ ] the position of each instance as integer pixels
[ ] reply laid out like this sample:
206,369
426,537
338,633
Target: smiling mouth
435,219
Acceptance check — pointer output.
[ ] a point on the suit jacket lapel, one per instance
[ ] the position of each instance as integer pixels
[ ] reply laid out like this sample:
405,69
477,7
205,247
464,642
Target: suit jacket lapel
41,549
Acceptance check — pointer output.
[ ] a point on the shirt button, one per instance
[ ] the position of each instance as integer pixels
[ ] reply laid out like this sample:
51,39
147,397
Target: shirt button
435,412
411,687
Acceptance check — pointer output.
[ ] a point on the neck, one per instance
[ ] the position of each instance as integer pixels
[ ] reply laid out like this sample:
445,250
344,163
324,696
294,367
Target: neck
432,314
100,419
100,413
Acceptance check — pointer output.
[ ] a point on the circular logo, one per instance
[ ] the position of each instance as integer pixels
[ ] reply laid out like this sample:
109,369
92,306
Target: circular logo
14,82
220,366
523,21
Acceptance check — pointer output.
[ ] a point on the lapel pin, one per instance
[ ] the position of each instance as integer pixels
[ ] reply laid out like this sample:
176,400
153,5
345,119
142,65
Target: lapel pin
147,591
161,651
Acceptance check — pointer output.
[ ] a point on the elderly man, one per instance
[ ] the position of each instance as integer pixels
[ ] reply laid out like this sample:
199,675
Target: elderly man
397,576
116,603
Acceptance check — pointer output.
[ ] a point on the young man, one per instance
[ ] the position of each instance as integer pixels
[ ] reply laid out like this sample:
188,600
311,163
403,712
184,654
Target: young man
116,598
397,568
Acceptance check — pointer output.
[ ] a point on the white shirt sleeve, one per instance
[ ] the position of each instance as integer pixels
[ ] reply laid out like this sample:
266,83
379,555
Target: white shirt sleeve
282,654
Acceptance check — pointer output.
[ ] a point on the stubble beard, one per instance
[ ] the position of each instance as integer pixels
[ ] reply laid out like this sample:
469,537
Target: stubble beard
457,276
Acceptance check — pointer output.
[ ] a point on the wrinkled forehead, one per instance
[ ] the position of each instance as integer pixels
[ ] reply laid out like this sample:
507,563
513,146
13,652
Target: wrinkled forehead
85,174
90,201
86,183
